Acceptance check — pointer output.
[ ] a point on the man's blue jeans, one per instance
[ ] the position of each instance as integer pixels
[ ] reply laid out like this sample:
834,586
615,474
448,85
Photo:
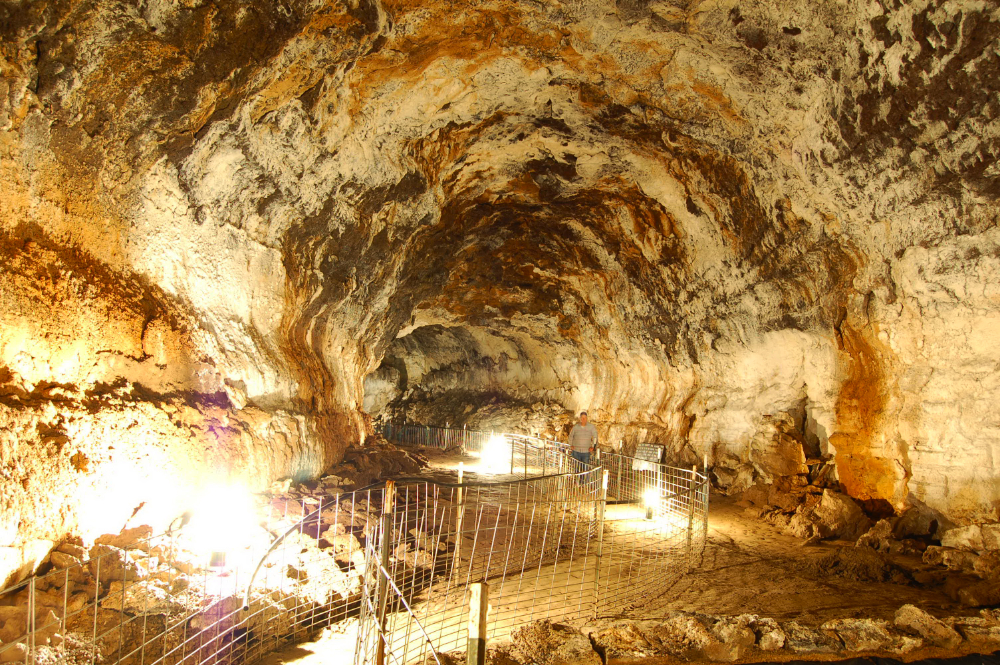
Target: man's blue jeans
580,457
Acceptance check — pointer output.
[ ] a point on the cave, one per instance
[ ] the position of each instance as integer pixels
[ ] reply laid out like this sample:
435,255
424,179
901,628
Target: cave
268,256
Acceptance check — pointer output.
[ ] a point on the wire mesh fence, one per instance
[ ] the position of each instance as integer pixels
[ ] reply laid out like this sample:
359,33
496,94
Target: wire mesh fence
546,535
149,599
390,566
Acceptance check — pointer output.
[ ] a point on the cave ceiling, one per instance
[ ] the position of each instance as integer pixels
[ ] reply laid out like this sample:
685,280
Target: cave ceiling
688,216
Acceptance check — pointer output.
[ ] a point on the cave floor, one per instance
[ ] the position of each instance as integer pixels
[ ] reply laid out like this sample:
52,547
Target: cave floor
750,567
747,566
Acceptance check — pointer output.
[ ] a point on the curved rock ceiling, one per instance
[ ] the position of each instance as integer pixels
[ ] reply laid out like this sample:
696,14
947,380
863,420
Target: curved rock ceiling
687,216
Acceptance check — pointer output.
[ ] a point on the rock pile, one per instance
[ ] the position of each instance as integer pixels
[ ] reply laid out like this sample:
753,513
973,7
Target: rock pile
317,571
749,638
776,456
807,511
964,560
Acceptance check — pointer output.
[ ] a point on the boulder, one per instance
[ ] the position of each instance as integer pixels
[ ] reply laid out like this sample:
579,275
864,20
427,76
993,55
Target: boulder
934,631
13,653
61,560
837,515
112,563
280,486
878,537
47,623
141,597
624,639
735,638
427,541
802,639
73,550
982,594
9,634
136,538
421,559
545,643
733,481
77,602
991,536
286,510
963,537
13,623
864,635
20,562
770,637
8,612
358,561
918,520
802,525
987,565
67,567
776,449
344,545
576,650
45,599
682,635
860,564
982,632
951,558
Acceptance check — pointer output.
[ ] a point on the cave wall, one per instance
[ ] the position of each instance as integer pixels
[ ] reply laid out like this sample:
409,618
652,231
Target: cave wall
687,218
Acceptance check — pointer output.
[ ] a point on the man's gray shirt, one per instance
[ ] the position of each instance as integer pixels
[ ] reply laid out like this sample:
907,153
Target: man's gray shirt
583,437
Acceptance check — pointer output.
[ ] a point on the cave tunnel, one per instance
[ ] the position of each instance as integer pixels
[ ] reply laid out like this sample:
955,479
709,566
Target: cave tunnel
240,241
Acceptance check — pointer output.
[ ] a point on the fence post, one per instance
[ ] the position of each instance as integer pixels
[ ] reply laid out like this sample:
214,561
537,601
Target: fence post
660,484
388,501
620,461
459,517
30,626
479,595
692,496
601,505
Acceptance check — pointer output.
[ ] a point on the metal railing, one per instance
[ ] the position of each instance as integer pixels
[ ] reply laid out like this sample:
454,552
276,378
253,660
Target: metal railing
390,565
553,537
154,600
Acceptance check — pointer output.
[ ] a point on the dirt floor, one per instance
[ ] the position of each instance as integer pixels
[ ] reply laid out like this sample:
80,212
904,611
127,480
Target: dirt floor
750,567
747,566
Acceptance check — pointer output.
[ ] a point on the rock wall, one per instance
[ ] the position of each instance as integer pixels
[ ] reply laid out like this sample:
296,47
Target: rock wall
689,218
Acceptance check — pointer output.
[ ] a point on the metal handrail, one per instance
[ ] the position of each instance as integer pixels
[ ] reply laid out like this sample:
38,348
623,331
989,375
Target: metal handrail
413,617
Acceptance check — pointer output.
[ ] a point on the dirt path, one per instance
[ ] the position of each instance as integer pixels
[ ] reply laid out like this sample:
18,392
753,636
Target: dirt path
747,566
750,567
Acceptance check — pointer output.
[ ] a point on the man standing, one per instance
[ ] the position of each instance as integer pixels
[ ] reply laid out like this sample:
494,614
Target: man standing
582,439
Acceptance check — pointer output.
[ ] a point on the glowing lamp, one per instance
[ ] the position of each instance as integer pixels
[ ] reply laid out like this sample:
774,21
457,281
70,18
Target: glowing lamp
223,519
651,497
495,457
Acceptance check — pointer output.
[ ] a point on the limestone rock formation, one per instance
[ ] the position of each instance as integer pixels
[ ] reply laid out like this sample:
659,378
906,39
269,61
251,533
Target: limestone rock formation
692,218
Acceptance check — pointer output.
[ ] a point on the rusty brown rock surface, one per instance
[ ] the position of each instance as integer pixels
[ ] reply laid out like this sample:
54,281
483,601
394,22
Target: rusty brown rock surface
690,218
